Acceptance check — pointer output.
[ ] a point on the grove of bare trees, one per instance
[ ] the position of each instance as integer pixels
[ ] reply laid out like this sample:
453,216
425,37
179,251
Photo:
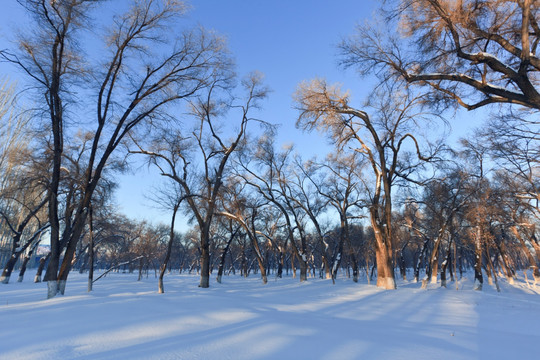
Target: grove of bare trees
393,194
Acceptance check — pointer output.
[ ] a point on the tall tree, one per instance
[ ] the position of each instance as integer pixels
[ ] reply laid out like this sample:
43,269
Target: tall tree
174,153
244,208
341,188
380,139
268,172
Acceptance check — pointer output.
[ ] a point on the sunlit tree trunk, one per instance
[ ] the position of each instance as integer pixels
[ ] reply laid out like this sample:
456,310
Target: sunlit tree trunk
478,278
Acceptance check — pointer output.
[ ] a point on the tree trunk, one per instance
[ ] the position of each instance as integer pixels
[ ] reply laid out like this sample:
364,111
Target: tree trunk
17,250
205,262
141,263
41,266
90,251
508,271
434,259
445,264
293,265
532,262
326,268
23,267
222,259
91,254
478,279
420,259
303,268
402,266
163,267
491,269
385,268
281,259
355,268
337,261
73,239
379,263
8,269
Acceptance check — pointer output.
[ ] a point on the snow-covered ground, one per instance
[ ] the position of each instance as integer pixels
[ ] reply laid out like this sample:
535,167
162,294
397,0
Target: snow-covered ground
243,319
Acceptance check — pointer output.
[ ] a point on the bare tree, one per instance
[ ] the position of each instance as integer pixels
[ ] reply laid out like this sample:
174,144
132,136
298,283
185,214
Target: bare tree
268,172
174,198
513,141
442,200
308,180
172,153
381,140
471,53
29,214
17,162
341,188
244,208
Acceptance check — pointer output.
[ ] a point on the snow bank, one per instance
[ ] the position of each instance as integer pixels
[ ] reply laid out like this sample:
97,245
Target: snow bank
243,319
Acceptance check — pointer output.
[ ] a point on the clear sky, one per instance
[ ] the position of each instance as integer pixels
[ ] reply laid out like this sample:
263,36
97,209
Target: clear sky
287,40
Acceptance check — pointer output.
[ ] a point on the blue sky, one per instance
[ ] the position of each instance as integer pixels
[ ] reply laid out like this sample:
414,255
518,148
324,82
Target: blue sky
289,41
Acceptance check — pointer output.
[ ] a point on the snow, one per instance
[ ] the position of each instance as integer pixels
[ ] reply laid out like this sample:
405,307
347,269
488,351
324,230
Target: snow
285,319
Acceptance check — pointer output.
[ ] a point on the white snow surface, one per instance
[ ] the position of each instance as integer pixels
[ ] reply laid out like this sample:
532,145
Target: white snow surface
285,319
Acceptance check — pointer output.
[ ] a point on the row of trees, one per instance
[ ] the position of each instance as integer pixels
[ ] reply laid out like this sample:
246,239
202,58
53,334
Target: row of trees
390,196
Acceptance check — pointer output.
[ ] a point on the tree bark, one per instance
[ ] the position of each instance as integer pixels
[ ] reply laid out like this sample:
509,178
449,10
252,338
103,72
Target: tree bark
383,256
532,262
205,260
91,250
41,266
478,278
163,267
420,259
